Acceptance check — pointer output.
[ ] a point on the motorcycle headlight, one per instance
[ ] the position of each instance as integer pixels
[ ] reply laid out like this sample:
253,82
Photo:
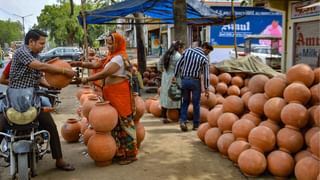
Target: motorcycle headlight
21,118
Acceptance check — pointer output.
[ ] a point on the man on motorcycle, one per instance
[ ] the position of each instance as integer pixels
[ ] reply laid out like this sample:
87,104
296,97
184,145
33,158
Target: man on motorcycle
26,72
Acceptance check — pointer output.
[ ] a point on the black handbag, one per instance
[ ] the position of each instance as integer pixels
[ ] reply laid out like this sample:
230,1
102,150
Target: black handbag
174,92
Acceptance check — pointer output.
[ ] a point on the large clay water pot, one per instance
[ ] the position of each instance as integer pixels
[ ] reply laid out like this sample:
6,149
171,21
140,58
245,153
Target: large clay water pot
273,107
190,111
226,121
214,79
208,102
252,117
233,104
315,94
225,77
274,126
242,128
262,139
252,163
316,115
173,114
203,128
280,164
155,108
58,80
256,103
257,82
245,97
148,103
302,73
316,75
213,69
211,138
102,148
87,134
233,90
88,104
83,89
70,130
301,154
289,140
213,116
140,107
103,117
274,87
84,124
310,133
315,145
222,88
307,168
224,141
237,81
297,92
236,148
295,115
140,133
203,114
244,90
85,96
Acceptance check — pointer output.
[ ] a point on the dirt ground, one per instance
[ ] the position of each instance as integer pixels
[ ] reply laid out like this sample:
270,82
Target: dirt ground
165,154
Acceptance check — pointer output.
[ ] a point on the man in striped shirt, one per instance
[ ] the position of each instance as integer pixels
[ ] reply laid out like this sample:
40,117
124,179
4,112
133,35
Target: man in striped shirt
193,63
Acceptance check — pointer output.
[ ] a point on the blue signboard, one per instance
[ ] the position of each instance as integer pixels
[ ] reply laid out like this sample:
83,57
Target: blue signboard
252,20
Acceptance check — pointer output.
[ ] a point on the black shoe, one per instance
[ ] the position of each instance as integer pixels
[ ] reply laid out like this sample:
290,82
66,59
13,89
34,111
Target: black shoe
165,121
183,127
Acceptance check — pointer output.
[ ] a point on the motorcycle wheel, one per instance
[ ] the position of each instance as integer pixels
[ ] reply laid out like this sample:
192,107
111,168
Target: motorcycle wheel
23,169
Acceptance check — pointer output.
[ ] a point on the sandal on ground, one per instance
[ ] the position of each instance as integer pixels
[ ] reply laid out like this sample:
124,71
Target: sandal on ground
127,161
165,121
66,167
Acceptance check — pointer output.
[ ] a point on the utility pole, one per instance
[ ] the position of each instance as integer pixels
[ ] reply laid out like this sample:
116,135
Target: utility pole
22,17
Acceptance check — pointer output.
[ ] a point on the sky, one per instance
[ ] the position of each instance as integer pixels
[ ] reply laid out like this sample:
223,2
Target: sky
15,9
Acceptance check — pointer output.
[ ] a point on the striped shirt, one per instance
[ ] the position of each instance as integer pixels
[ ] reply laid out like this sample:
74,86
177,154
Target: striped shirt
192,64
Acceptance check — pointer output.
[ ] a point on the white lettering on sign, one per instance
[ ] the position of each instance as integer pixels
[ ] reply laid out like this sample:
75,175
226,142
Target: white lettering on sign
239,27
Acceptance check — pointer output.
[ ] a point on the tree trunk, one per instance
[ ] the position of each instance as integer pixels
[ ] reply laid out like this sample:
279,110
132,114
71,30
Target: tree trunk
180,24
141,54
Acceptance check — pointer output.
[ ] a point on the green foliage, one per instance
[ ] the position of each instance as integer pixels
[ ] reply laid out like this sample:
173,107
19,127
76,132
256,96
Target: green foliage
10,31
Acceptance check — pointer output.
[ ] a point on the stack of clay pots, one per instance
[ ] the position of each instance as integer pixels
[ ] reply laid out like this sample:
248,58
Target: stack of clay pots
151,77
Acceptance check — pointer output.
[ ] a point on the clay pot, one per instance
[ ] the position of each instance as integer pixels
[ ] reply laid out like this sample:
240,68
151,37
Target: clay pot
245,97
173,115
146,74
221,88
252,163
274,87
140,107
84,124
289,140
280,164
103,117
300,118
262,139
233,90
211,138
225,77
316,115
315,94
274,126
297,93
155,108
212,89
58,80
102,148
87,134
85,96
310,133
190,111
213,116
220,99
140,133
213,69
203,114
224,141
147,104
70,130
302,73
315,144
88,104
242,128
208,102
316,75
203,128
236,148
257,82
233,104
244,90
213,80
84,89
301,154
237,81
307,168
256,103
225,122
273,107
252,117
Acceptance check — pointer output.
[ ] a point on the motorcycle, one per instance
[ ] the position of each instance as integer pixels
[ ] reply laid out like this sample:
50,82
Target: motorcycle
24,143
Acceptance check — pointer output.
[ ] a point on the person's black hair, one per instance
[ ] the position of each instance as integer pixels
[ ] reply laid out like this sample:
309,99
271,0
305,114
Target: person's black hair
173,48
35,35
206,45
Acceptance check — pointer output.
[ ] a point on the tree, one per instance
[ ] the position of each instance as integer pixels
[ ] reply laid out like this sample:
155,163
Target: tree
10,31
180,24
141,53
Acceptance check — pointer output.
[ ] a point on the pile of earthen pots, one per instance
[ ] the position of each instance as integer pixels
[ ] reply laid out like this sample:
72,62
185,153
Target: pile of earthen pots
151,77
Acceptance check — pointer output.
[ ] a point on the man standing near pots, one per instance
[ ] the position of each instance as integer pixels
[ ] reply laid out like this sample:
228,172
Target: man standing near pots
193,63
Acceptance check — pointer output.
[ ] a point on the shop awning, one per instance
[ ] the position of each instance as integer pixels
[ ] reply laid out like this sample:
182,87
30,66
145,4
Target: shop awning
162,10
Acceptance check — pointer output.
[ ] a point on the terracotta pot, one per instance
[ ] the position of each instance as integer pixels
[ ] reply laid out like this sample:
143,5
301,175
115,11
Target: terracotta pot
58,80
310,133
214,80
262,139
225,77
236,148
280,164
203,128
289,140
87,134
297,93
307,168
70,130
225,122
213,116
274,126
212,89
252,163
190,111
257,82
208,102
316,75
155,108
140,133
140,107
102,148
274,87
224,141
84,124
315,144
213,69
256,103
173,114
220,99
301,154
211,138
300,118
237,81
233,90
242,128
273,107
315,94
233,104
244,90
88,104
302,73
252,117
83,89
316,115
85,96
222,88
203,114
103,117
148,103
245,97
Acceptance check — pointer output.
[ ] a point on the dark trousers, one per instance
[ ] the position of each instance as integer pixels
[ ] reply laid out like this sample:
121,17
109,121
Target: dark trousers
46,122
